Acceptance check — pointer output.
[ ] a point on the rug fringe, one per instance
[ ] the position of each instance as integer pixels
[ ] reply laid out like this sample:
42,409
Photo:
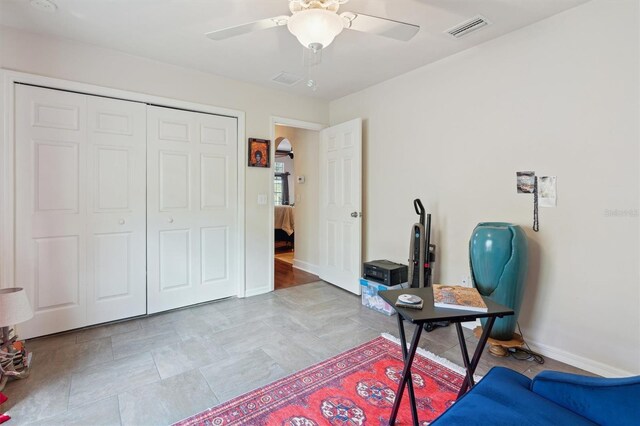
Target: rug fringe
433,357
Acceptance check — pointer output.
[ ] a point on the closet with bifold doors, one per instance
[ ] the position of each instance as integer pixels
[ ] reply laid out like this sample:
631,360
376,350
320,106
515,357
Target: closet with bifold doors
191,208
121,208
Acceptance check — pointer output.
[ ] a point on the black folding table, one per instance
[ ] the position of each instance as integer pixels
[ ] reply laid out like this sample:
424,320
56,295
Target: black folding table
429,314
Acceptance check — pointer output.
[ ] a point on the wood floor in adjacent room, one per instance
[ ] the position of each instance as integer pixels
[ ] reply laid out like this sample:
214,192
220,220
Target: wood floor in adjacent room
285,275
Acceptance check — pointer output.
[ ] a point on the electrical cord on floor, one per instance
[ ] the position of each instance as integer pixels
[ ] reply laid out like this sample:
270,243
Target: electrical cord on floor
525,354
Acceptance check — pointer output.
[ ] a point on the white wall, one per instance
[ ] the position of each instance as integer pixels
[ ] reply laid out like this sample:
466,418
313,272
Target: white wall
305,144
559,97
21,51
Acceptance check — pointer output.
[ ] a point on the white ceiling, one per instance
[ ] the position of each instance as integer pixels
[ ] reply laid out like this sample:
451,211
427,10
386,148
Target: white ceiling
173,31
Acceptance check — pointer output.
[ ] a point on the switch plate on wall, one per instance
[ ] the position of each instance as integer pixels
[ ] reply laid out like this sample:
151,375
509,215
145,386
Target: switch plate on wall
262,199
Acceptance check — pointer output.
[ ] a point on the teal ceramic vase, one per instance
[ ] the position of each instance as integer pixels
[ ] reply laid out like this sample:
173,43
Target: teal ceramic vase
498,260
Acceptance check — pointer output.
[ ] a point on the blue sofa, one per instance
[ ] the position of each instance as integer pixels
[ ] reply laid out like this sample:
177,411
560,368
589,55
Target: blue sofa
505,397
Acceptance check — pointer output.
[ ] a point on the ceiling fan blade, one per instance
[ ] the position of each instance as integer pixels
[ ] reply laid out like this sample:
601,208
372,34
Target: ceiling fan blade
262,24
380,26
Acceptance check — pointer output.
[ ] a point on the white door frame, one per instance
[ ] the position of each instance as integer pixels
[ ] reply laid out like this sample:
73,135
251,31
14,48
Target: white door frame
289,122
7,172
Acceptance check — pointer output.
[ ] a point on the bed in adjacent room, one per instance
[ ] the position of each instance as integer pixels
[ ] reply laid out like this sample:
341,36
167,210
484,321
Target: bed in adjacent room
284,224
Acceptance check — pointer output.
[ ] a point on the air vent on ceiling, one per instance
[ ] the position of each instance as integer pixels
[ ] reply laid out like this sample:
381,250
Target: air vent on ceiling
287,78
467,27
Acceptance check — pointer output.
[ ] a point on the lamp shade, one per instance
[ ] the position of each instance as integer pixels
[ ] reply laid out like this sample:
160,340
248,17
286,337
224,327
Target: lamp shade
14,306
315,26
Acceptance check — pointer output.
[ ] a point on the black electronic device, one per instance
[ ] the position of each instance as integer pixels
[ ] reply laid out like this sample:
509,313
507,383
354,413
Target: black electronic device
385,272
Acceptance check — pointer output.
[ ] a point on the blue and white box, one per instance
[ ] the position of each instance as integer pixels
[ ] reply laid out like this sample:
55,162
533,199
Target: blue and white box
371,299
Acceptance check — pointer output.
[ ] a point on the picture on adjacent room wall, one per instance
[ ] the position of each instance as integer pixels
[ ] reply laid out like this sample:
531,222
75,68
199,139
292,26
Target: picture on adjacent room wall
259,152
526,182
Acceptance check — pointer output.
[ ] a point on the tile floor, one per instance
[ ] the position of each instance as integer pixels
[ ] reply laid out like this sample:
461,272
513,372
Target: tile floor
163,368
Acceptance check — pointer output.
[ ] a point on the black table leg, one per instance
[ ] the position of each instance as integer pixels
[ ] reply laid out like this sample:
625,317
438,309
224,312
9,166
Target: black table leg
412,397
473,364
465,358
406,372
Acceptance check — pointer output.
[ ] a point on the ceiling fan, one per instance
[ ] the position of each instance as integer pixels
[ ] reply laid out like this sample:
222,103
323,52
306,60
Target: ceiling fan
316,23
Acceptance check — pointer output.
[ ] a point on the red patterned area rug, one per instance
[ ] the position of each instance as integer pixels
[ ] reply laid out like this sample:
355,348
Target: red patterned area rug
357,387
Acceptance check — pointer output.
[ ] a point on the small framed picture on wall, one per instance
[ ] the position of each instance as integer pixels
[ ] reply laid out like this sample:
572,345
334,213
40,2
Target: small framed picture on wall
259,152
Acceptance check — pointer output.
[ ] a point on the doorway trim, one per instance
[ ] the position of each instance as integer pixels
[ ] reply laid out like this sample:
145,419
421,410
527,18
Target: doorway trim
289,122
7,167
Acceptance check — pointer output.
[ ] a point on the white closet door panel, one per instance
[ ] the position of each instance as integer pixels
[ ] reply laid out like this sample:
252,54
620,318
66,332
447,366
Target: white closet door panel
213,182
170,140
112,267
192,207
51,152
116,228
218,202
80,208
175,259
57,280
215,254
175,181
56,176
113,168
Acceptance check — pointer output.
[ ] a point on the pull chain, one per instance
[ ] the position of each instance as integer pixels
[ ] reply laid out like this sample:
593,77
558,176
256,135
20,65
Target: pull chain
536,225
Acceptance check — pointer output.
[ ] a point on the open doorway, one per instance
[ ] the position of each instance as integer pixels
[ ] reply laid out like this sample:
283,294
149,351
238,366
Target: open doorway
284,201
295,206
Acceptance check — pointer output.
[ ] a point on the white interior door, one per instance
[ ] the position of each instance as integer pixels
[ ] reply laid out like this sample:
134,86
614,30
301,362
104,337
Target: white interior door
116,213
192,202
340,212
80,208
51,152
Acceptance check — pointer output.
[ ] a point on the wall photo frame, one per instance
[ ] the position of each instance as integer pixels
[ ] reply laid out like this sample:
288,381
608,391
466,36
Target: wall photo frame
259,153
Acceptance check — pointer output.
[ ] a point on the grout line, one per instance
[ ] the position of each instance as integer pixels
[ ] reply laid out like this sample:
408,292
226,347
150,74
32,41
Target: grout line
119,410
70,374
218,400
73,372
155,364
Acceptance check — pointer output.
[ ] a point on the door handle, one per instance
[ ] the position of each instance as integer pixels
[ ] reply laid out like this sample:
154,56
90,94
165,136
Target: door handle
170,220
356,214
121,221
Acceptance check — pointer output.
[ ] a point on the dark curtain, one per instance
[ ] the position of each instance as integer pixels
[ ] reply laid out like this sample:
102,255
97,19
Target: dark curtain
284,178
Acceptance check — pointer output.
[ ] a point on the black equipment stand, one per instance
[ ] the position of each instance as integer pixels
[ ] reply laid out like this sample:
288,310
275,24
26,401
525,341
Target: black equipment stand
422,256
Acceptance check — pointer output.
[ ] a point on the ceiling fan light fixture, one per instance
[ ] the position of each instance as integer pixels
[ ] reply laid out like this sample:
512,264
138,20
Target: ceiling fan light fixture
315,27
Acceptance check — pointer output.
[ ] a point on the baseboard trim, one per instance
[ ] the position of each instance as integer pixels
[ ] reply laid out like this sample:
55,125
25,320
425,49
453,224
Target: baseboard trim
256,291
587,364
306,266
574,360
